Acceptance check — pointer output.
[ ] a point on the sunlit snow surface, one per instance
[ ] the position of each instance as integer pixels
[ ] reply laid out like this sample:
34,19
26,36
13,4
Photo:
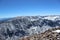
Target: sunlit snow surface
52,18
58,31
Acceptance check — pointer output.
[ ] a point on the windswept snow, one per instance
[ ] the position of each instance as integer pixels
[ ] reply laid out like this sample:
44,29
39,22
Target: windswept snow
58,31
51,17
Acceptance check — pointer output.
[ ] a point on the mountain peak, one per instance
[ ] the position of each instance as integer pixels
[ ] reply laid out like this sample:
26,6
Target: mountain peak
16,27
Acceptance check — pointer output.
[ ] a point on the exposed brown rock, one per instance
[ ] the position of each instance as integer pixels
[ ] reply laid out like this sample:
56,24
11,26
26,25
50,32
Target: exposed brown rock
47,35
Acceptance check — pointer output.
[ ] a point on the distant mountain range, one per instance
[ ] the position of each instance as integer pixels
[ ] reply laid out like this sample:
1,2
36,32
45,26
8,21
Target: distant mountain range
14,28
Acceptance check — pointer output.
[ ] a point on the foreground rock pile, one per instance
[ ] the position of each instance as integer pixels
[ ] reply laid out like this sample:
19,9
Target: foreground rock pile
47,35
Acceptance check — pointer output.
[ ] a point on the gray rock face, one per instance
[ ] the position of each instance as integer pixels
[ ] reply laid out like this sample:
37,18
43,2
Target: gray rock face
14,28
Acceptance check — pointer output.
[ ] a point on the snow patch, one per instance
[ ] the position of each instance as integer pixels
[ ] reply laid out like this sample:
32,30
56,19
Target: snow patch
58,31
34,30
51,17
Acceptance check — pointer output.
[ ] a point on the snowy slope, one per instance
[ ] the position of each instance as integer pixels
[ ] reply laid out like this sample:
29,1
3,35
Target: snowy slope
58,31
52,18
14,28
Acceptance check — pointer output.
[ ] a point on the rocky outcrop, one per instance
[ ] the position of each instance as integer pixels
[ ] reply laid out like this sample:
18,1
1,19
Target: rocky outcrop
47,35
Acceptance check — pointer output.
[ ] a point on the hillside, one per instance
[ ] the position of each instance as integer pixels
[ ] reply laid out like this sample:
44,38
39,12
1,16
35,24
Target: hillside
47,35
17,27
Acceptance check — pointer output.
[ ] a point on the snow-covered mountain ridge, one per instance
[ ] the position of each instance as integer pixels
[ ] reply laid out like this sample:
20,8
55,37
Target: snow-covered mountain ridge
14,28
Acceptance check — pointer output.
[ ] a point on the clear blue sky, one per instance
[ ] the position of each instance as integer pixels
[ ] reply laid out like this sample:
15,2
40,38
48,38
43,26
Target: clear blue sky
12,8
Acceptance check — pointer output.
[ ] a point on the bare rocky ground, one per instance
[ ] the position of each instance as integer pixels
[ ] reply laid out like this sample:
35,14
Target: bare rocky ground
47,35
